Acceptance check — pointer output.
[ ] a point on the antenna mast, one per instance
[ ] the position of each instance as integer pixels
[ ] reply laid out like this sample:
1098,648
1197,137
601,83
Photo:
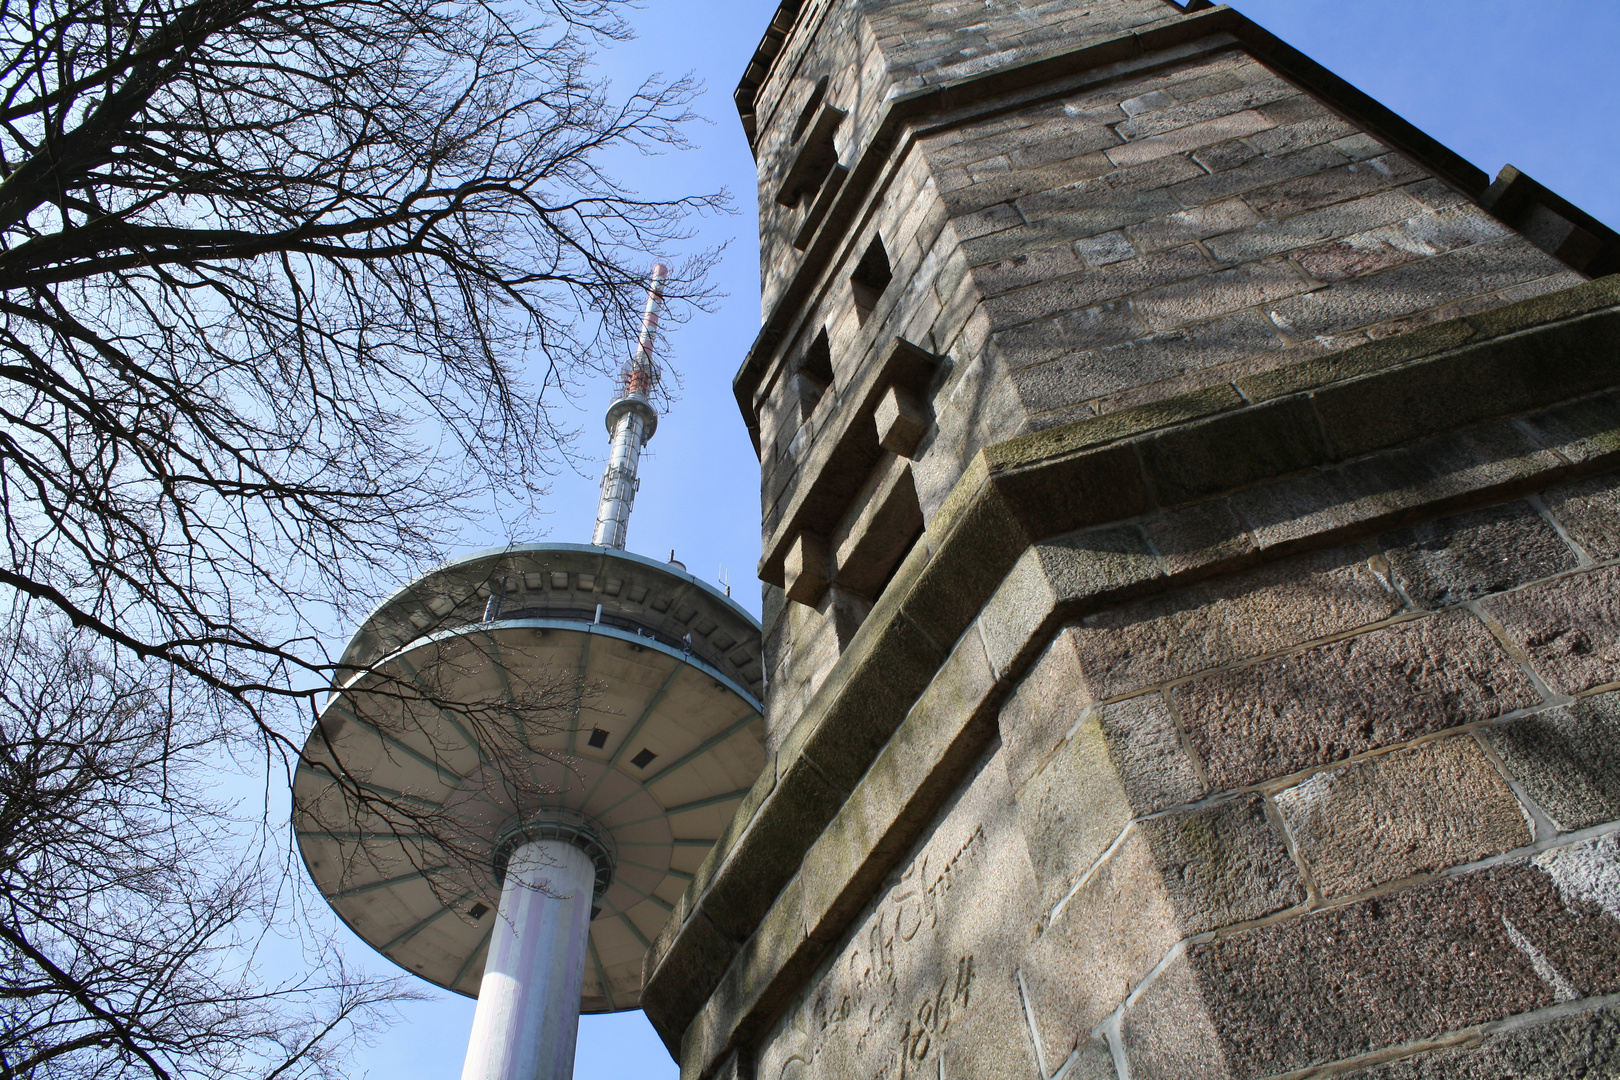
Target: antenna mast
631,420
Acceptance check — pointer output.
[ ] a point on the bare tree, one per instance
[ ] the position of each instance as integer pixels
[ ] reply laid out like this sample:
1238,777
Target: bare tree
126,939
284,287
269,277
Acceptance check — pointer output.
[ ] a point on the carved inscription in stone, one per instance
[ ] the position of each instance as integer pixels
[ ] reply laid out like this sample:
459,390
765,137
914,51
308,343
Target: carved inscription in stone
925,983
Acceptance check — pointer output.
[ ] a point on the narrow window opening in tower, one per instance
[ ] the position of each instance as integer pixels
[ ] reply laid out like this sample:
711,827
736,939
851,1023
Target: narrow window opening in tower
872,275
808,113
817,362
812,377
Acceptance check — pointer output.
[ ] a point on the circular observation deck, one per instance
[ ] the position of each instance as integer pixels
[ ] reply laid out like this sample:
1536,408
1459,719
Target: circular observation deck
535,683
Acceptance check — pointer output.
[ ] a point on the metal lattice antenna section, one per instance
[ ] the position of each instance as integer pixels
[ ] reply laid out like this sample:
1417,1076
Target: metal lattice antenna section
631,420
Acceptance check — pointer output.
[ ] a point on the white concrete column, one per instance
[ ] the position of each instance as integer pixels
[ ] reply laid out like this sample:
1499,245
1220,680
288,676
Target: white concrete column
528,1004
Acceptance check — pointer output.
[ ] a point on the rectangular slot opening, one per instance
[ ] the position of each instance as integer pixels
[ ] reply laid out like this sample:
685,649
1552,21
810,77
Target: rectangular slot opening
872,275
598,738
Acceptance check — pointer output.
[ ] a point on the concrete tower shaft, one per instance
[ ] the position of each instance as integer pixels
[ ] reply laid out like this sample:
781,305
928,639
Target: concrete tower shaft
631,420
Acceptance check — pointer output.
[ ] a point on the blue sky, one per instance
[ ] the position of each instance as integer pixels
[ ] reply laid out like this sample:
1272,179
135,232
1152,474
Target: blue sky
1527,82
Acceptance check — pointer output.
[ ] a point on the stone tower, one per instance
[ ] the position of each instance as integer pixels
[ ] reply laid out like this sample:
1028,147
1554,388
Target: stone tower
1192,613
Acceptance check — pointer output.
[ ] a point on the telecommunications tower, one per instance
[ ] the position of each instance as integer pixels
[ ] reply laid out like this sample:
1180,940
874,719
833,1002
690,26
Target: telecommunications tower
530,753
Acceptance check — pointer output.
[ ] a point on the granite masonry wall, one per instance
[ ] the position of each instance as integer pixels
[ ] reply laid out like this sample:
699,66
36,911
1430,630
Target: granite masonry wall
1191,218
1191,550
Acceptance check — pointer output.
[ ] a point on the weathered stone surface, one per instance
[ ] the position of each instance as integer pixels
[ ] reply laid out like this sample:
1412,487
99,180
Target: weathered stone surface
1342,219
1219,622
1570,628
1586,431
1581,1047
1046,704
1333,185
1589,510
1567,760
1109,935
1347,697
1415,811
1199,536
1216,455
928,969
1203,298
1445,562
1223,864
1072,809
1168,878
1092,1061
1397,968
1120,761
1145,748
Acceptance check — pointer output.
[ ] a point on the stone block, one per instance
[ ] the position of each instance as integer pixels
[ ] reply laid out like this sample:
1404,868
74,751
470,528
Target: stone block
991,219
1028,343
1589,511
940,738
1428,234
1586,432
1145,749
1305,134
1072,810
1352,980
1222,864
805,570
1079,291
1202,298
1200,537
691,958
1219,622
1226,155
927,968
1095,567
998,277
1236,173
1454,559
1569,628
883,672
1192,137
1132,204
1104,249
1166,879
1414,287
1213,456
1346,697
1091,1060
1201,110
1413,811
1585,1046
901,420
1047,703
767,854
1148,102
1334,185
1567,760
1302,230
1187,226
1183,353
1109,934
1092,328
